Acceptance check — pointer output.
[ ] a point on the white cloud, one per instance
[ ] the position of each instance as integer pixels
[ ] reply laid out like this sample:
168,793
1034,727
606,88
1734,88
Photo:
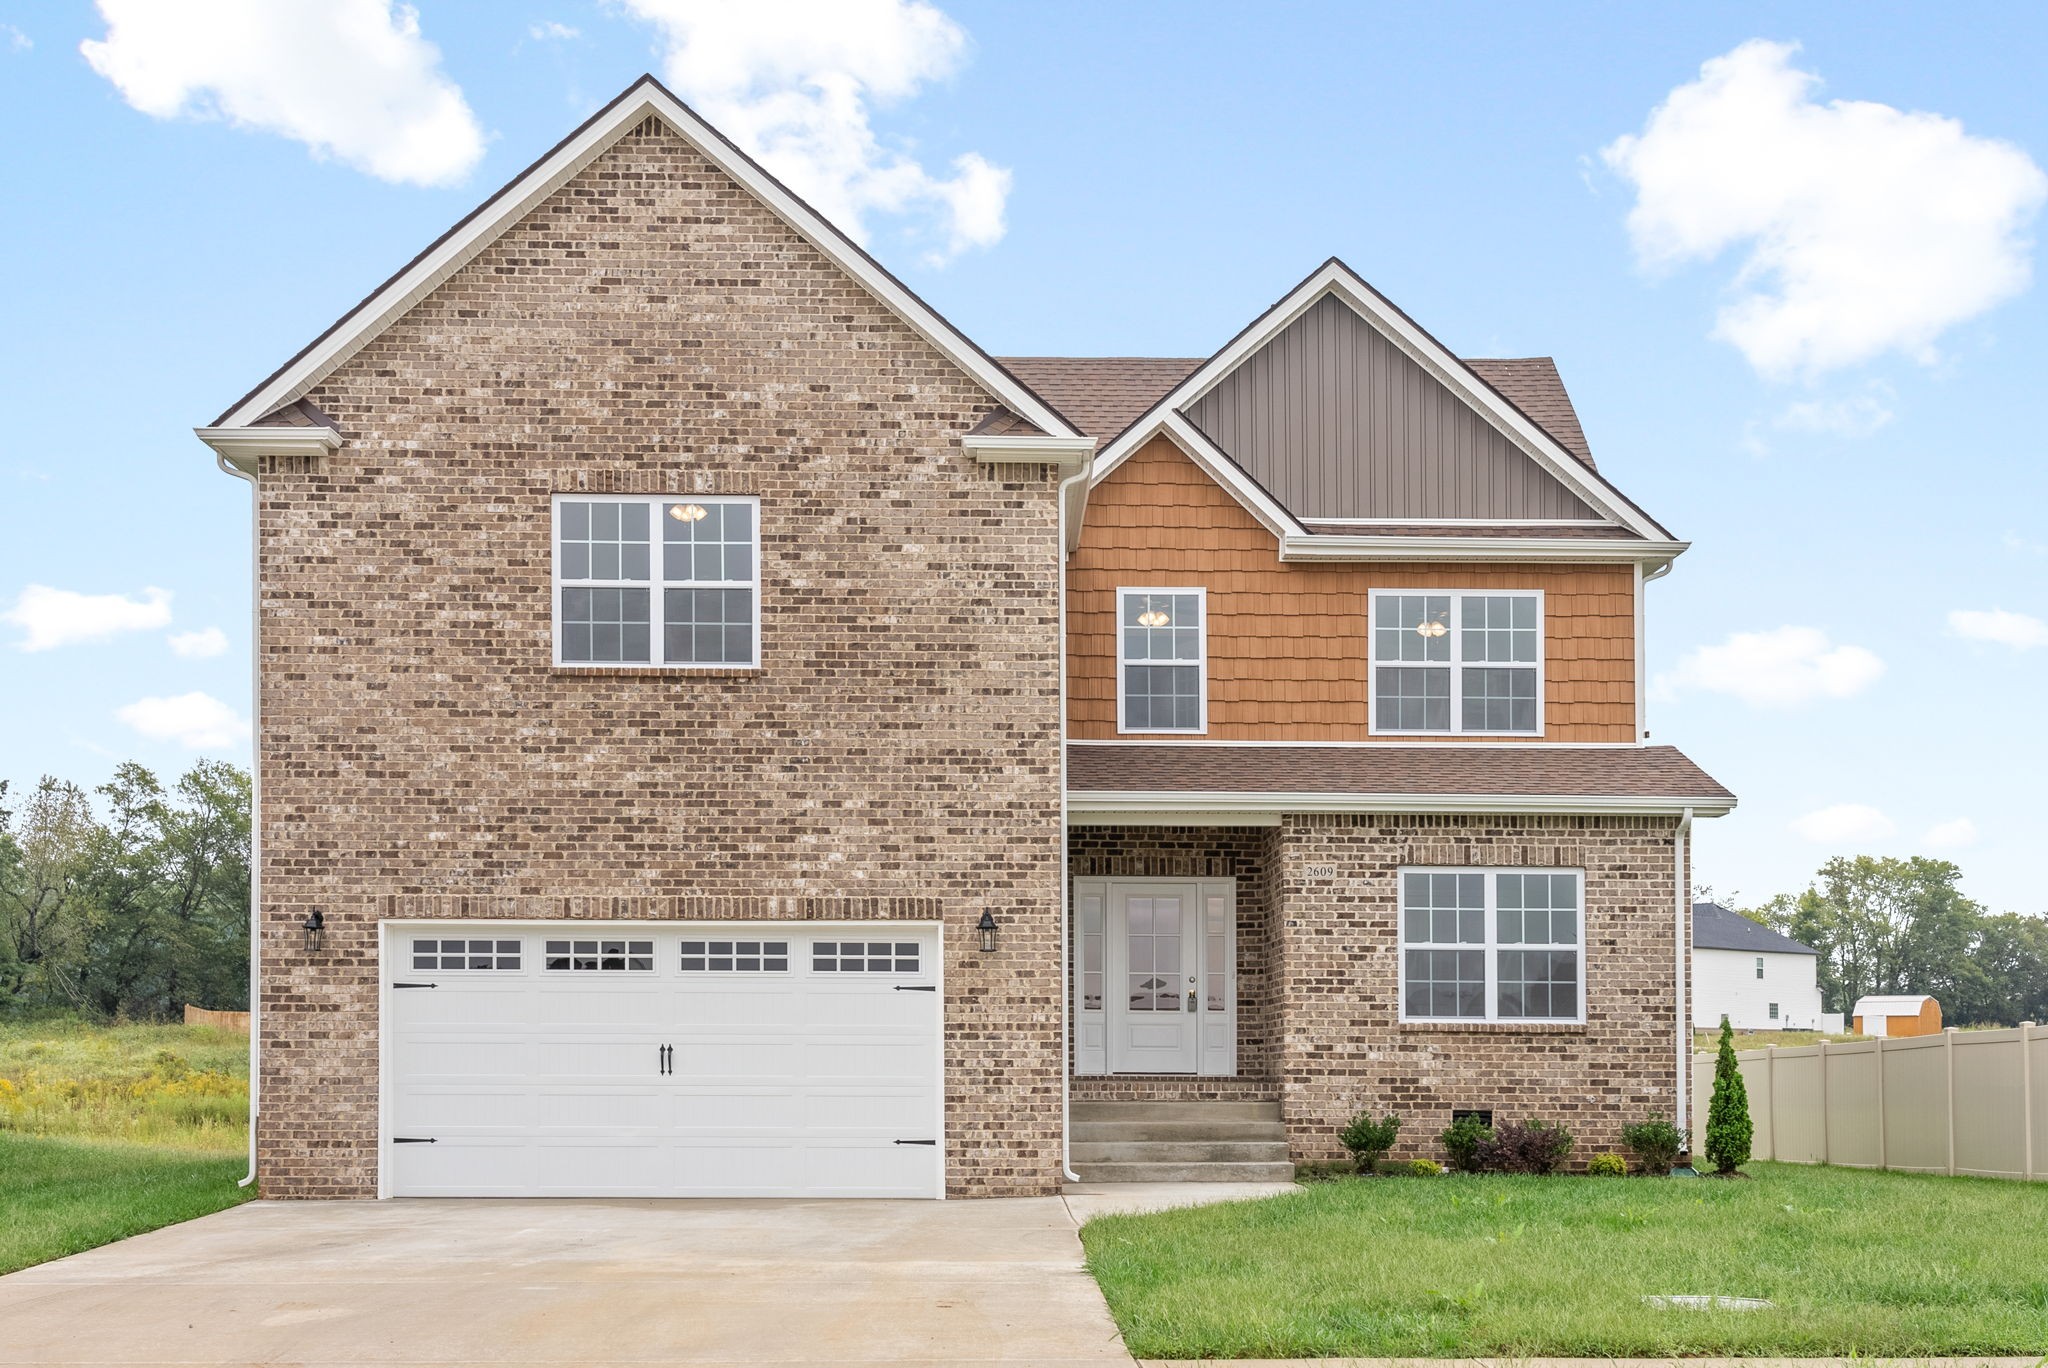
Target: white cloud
14,39
2025,546
59,617
1775,669
208,641
1844,823
549,31
197,720
792,81
1864,229
1953,834
351,79
1857,415
2018,630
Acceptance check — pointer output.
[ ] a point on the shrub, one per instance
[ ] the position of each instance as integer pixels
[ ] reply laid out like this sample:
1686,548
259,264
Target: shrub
1461,1141
1656,1143
1524,1147
1607,1166
1728,1126
1423,1168
1369,1139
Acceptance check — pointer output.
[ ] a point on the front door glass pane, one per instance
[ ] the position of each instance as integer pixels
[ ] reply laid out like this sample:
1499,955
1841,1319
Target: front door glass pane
1155,954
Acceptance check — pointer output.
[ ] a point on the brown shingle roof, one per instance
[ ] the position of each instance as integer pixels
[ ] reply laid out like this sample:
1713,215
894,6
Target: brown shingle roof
1103,395
1548,531
1420,771
1532,384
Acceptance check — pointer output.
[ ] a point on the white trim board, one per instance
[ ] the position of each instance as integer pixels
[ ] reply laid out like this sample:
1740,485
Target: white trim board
1102,805
1335,278
645,97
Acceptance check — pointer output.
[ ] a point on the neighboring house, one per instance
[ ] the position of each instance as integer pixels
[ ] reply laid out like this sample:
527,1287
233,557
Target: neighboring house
1897,1014
1755,978
733,736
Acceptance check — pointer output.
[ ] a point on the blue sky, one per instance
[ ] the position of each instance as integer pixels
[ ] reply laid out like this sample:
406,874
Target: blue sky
1804,334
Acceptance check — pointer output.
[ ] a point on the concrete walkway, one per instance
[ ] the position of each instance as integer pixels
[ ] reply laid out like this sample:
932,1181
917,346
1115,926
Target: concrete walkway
584,1282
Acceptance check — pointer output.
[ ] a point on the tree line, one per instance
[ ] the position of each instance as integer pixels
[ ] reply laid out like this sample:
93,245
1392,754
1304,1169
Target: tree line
1903,926
130,906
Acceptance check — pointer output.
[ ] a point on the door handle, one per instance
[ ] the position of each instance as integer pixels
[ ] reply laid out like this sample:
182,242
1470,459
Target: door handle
664,1059
1191,1001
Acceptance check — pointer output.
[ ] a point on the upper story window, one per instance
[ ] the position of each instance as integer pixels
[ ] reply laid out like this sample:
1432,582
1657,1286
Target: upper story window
1162,660
1491,945
1457,663
643,580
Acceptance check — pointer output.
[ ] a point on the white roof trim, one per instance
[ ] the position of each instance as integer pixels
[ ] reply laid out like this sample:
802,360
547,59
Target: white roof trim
1338,547
1219,467
1336,278
1208,803
645,97
997,449
243,447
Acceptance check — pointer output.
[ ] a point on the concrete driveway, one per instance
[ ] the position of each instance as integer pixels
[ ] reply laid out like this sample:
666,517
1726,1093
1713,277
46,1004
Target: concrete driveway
586,1282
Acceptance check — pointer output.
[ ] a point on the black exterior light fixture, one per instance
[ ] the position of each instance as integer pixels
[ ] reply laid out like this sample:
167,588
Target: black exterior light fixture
987,927
315,927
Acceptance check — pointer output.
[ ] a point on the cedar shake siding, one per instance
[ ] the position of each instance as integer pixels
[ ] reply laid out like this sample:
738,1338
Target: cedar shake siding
1287,642
1335,421
652,327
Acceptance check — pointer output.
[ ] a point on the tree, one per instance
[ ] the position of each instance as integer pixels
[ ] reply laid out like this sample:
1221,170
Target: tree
1884,926
1728,1126
44,911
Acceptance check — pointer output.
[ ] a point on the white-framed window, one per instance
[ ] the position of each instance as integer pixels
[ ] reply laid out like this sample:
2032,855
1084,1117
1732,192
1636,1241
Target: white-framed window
1162,660
1492,945
466,953
1457,662
600,955
1774,1011
1759,966
671,581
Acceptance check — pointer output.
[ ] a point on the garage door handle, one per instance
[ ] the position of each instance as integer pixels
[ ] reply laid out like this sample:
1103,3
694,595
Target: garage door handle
917,1142
413,1140
415,985
916,988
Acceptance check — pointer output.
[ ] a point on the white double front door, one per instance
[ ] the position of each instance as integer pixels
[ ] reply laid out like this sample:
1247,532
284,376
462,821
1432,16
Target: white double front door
1157,979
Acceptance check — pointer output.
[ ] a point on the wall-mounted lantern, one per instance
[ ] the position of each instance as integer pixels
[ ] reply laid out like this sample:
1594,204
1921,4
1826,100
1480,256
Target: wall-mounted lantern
315,927
987,927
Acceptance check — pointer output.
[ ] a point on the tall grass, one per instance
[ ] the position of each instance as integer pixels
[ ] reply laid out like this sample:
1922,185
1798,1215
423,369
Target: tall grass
174,1087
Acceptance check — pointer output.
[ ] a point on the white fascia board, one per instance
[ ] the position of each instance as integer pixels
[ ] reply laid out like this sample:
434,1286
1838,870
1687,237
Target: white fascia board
1210,804
242,447
1426,351
1212,461
548,175
1066,452
1340,547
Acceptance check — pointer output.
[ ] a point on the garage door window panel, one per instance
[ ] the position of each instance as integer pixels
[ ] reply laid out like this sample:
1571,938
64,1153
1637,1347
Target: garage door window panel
465,953
864,956
601,955
734,957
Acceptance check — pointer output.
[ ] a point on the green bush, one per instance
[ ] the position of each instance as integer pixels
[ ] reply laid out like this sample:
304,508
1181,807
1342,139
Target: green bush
1369,1139
1607,1166
1656,1143
1728,1126
1422,1168
1526,1147
1461,1141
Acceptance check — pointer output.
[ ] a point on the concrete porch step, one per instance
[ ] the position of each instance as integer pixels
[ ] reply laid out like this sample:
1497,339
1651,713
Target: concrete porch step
1176,1111
1180,1151
1178,1130
1243,1172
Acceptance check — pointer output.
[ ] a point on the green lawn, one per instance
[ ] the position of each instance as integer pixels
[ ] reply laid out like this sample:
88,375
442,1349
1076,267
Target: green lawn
1857,1263
58,1197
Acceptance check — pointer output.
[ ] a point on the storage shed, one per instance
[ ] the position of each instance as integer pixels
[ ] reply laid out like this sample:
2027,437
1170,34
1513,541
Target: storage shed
1900,1014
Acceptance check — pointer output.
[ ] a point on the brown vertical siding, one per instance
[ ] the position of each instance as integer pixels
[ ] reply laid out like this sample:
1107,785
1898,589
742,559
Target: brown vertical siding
1332,417
1287,642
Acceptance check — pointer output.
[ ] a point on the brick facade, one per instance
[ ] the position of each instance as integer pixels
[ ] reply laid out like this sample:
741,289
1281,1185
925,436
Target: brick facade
651,326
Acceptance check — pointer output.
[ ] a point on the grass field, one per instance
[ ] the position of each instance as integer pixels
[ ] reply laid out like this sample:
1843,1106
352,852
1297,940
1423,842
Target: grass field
1856,1263
181,1087
108,1131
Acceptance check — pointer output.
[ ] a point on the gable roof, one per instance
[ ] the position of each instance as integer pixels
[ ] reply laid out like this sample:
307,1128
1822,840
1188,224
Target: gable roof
1715,927
1890,1004
1532,384
1335,278
645,98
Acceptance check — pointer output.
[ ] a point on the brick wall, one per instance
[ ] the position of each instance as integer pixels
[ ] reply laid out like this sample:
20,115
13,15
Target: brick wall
652,327
1343,1047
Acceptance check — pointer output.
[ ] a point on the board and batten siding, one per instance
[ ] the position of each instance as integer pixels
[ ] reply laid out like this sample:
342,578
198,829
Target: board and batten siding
1332,416
1288,642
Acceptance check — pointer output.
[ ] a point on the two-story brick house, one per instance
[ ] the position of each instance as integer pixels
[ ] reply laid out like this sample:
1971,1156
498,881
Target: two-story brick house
722,732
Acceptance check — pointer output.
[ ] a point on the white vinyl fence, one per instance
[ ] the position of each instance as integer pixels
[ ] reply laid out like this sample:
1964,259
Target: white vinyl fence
1968,1102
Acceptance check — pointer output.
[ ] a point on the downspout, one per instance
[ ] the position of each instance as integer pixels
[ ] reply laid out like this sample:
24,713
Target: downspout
1066,883
255,811
1679,943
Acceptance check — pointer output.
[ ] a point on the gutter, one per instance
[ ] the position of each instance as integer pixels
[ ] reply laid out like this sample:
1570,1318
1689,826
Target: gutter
229,467
1683,911
1210,802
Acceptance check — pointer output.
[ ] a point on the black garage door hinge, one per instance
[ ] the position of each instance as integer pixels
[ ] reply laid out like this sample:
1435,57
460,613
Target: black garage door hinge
916,988
917,1142
415,985
422,1140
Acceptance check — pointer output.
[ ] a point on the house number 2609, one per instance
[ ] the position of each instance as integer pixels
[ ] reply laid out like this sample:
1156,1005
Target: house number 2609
1319,871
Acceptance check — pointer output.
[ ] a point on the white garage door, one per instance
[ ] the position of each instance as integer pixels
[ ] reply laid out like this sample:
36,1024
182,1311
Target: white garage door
748,1060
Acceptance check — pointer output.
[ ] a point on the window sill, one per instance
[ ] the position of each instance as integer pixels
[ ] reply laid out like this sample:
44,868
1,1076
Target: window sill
676,672
1499,1027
